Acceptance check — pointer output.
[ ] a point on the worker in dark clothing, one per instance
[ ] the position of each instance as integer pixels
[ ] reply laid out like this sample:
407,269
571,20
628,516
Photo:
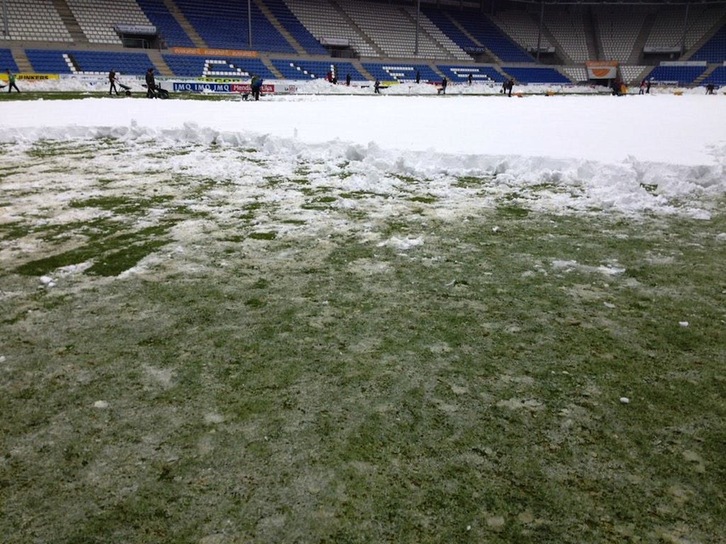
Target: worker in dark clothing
444,83
11,81
418,76
347,80
150,84
256,86
377,86
112,81
470,79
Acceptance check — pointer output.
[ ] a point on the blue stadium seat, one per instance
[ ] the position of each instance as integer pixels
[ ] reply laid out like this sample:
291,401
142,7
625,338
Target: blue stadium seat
680,75
124,63
400,71
48,62
535,75
169,29
447,26
714,50
460,73
53,62
224,24
296,29
7,62
193,66
487,33
306,70
717,77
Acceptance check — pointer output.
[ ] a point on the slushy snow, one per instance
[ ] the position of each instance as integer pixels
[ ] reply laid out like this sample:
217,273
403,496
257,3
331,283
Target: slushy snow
631,154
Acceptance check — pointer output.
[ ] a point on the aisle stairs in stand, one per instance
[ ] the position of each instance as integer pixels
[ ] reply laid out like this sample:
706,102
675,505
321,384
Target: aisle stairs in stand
299,49
159,63
185,24
21,59
358,29
70,22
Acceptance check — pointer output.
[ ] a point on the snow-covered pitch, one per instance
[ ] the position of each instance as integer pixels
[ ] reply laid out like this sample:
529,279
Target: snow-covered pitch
627,153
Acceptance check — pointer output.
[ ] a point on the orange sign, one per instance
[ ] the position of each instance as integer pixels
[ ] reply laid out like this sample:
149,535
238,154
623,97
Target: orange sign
204,52
607,69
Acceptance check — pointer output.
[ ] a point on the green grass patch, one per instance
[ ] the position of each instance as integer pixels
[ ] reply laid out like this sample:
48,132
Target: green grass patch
121,204
262,235
512,211
468,182
336,385
424,198
111,255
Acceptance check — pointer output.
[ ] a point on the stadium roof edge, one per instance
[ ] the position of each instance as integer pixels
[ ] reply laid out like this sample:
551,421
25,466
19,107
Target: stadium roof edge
622,2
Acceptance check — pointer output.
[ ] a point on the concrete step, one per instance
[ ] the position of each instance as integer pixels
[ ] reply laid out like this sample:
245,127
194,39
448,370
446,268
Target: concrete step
159,63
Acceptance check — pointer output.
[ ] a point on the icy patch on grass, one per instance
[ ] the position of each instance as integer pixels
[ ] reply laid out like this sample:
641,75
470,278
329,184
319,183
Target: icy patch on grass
569,266
545,184
531,405
402,244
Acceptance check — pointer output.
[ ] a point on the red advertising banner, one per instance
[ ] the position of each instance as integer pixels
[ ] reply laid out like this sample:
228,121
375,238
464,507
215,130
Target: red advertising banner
246,88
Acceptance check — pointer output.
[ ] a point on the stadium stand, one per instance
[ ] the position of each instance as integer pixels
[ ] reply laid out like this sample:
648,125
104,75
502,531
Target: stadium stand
198,66
88,62
306,70
101,62
48,61
479,74
666,34
451,31
618,30
224,24
35,20
488,34
520,26
714,50
427,26
633,74
97,18
679,75
7,61
702,21
577,74
169,28
296,29
401,72
392,30
330,24
304,39
535,75
717,77
568,29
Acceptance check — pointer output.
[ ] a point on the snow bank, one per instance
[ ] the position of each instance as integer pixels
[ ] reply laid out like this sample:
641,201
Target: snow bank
626,154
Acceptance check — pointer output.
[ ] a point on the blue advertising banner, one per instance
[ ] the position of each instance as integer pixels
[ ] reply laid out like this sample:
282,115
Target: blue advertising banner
197,87
202,87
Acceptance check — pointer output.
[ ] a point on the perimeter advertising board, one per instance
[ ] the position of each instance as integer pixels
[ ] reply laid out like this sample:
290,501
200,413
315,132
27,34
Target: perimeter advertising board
31,77
211,87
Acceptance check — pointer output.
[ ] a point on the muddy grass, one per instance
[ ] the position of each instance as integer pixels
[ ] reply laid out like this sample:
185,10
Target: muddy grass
210,365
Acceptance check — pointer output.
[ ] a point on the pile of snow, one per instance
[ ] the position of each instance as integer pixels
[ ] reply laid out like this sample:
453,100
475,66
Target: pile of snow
99,83
629,154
